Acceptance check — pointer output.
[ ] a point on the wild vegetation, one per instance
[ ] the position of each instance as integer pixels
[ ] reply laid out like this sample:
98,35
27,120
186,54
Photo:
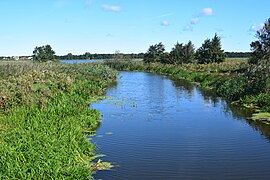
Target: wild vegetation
45,119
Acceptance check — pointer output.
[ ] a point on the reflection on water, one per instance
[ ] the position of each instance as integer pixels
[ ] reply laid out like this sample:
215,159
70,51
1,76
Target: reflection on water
157,128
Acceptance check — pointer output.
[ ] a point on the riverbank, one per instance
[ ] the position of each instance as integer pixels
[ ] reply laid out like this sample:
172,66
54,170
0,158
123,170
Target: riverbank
227,79
45,119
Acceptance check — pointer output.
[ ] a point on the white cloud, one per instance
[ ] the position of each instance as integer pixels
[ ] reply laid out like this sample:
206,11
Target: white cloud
255,27
188,28
194,21
164,23
111,8
206,12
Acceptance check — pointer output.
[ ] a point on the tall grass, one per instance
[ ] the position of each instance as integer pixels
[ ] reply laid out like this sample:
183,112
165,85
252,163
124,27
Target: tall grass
45,119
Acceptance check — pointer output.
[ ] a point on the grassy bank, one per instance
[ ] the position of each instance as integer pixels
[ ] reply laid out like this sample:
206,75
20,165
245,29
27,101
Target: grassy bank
229,79
45,119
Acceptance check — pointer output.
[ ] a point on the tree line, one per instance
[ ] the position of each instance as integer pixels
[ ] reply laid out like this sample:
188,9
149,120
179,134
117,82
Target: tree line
209,52
71,56
88,55
238,54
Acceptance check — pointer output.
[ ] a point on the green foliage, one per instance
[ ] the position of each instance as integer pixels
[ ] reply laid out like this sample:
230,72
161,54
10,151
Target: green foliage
210,51
257,53
45,120
203,54
43,54
154,53
257,76
261,47
189,53
233,89
260,100
262,117
182,54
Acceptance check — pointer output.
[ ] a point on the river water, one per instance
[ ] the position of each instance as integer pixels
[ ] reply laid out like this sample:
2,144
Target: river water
157,128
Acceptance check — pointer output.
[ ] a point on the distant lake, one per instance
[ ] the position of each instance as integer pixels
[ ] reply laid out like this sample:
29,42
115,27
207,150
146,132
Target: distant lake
78,61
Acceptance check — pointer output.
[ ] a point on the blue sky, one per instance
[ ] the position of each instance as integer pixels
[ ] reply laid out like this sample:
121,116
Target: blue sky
104,26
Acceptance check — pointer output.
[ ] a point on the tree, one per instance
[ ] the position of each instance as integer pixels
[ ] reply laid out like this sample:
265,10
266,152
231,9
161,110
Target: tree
203,54
217,54
189,53
210,51
261,48
259,71
69,56
165,58
43,54
182,54
154,53
176,55
87,55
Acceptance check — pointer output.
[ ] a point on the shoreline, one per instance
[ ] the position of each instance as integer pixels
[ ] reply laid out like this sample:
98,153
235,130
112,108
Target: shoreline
221,78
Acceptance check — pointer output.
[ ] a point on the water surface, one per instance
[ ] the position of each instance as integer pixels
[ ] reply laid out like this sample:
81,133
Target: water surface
157,128
78,61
